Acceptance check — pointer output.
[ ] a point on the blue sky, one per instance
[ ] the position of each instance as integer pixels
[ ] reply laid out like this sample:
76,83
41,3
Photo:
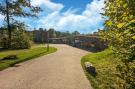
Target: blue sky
75,4
67,15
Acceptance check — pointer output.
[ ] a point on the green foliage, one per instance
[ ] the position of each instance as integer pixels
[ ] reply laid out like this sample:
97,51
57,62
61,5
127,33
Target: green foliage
75,33
23,55
3,38
105,63
51,33
126,74
20,40
41,35
17,8
119,32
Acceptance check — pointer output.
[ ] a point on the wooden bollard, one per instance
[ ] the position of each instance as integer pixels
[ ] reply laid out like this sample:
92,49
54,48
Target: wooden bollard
90,68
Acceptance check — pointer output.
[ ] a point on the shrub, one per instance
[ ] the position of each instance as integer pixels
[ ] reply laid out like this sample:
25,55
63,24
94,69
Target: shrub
20,40
119,32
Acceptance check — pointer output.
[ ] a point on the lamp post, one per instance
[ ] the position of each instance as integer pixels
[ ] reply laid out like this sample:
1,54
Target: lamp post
47,40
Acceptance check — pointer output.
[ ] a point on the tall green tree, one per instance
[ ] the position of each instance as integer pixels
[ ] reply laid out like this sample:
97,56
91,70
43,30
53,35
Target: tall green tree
52,33
20,37
75,33
119,32
16,8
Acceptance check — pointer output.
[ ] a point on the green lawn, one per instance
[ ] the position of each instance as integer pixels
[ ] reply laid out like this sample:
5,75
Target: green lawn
105,63
23,55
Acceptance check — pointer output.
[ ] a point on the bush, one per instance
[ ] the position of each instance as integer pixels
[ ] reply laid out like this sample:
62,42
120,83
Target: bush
4,41
20,40
119,32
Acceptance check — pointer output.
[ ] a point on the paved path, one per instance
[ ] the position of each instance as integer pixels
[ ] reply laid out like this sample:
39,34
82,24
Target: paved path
59,70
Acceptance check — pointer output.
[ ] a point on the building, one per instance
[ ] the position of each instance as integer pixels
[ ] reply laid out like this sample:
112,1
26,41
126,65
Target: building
89,42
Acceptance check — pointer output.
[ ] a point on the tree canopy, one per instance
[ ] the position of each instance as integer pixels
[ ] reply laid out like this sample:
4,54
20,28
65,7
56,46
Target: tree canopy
119,32
16,8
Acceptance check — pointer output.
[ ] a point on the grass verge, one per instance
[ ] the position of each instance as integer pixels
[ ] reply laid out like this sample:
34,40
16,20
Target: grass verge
23,55
105,63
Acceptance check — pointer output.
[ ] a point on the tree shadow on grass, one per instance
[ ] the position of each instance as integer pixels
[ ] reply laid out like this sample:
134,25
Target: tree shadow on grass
90,49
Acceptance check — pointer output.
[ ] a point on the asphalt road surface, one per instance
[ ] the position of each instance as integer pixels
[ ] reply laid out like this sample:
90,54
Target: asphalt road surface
59,70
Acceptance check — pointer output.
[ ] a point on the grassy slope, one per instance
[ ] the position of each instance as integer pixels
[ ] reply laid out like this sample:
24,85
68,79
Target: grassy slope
105,63
23,55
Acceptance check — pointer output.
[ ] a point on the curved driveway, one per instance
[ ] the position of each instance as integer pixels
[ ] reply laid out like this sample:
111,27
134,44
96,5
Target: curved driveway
59,70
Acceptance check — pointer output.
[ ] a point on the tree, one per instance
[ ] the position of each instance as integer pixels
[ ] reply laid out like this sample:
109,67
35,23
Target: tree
40,35
3,37
119,32
58,34
16,8
52,33
20,38
75,33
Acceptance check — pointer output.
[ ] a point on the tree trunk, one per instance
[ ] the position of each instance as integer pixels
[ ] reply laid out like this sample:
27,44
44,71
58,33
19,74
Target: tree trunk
8,24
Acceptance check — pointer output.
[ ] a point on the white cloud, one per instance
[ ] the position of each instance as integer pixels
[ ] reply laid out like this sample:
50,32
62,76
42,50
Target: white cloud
48,4
89,21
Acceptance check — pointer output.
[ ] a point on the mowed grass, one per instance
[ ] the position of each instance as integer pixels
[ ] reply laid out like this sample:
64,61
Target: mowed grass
23,55
105,63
